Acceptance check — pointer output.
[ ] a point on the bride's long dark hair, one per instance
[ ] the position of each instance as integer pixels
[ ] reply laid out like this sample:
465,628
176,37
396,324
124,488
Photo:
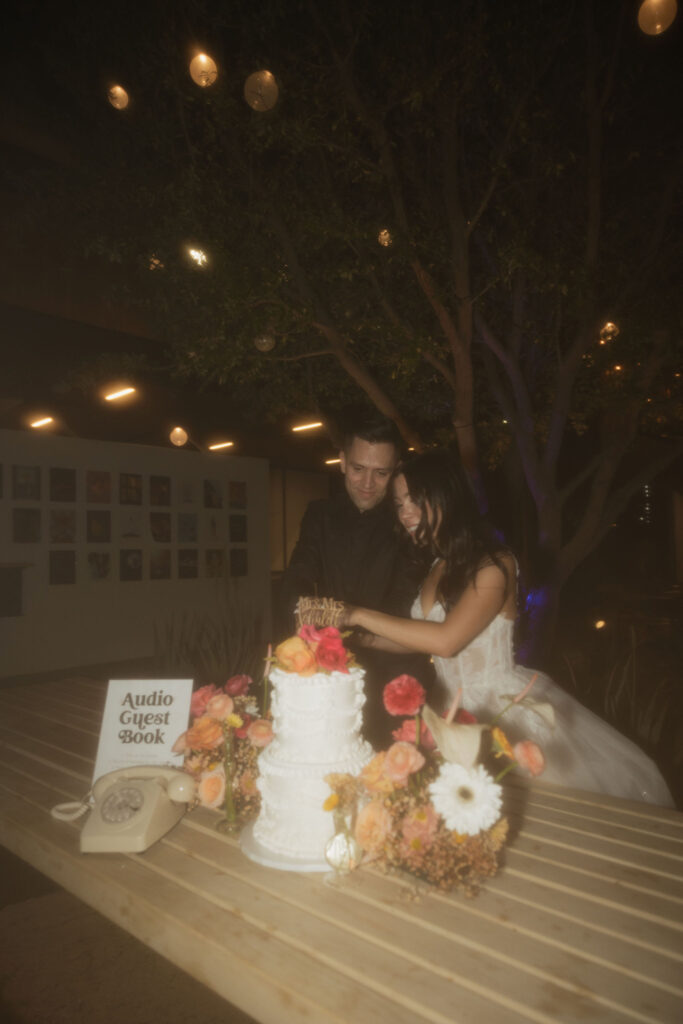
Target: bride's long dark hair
459,533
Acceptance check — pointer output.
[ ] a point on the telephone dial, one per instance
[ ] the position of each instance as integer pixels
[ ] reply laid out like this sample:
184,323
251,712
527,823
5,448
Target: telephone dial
133,807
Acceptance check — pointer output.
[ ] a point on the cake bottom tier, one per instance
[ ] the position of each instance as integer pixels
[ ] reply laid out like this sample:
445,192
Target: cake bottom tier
292,829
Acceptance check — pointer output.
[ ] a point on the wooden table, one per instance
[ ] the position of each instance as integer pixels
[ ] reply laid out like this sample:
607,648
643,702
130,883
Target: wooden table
584,922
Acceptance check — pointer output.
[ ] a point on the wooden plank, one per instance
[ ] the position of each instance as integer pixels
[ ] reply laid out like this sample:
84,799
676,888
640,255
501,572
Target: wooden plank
13,743
58,712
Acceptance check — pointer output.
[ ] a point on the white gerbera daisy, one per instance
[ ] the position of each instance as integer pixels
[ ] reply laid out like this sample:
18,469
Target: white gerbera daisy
467,799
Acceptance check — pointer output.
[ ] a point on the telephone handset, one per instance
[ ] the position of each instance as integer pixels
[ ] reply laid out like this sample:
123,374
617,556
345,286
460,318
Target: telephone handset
134,807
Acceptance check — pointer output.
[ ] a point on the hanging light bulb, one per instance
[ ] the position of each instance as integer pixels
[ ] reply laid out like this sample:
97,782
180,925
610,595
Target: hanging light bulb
178,437
655,16
384,238
118,97
203,70
264,342
609,332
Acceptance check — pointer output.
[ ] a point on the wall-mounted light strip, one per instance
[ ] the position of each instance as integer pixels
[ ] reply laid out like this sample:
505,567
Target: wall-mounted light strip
119,394
306,426
42,423
221,444
331,462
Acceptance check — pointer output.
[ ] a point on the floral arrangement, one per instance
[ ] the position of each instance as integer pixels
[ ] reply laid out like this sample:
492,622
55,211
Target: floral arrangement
313,650
221,749
425,805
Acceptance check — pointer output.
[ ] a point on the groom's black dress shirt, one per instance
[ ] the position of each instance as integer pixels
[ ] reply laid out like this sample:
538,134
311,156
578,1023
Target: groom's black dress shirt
356,557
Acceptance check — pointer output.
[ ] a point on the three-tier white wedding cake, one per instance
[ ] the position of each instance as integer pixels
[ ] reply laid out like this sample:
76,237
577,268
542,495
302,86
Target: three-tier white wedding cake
317,731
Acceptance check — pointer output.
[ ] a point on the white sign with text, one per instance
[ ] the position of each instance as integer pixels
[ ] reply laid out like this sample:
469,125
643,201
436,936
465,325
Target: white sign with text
142,720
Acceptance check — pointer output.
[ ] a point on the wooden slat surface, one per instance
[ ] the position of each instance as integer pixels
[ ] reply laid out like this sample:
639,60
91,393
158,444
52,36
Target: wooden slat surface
583,923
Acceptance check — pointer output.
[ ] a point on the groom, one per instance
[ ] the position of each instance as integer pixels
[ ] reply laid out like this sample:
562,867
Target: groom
348,549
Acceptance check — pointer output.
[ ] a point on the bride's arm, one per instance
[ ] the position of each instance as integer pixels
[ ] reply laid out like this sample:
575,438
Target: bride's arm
378,643
480,603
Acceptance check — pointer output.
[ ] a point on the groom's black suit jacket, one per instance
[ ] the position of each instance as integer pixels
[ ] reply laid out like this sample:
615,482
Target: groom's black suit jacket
356,557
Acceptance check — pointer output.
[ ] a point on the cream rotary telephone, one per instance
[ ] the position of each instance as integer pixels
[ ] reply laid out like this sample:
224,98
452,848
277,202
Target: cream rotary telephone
133,807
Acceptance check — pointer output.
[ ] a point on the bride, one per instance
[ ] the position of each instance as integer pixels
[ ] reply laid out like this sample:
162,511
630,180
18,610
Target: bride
464,617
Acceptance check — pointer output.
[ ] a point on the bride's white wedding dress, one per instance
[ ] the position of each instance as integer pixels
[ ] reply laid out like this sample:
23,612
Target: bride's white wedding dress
581,751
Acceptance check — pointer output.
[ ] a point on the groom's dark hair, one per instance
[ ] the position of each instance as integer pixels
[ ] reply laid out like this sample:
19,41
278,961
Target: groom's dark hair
373,428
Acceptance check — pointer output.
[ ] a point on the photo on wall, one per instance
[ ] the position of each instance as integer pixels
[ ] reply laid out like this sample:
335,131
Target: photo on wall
187,563
130,488
237,494
62,484
131,523
238,529
238,561
213,494
99,566
187,527
62,525
98,526
160,564
62,567
98,487
26,483
160,490
130,564
160,526
187,492
26,525
214,563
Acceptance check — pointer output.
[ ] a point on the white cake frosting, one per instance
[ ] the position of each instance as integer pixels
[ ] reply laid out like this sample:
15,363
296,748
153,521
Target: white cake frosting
316,725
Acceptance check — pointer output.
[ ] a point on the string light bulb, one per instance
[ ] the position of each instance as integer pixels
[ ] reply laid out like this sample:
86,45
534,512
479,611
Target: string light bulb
264,342
178,437
118,97
655,16
203,70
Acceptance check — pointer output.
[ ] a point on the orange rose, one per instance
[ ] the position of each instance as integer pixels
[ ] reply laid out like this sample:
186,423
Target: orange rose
211,788
260,732
373,777
402,759
205,734
219,706
373,826
529,755
294,655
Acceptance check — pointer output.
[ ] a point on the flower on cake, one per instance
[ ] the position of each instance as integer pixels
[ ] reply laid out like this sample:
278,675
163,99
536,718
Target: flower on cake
222,745
313,650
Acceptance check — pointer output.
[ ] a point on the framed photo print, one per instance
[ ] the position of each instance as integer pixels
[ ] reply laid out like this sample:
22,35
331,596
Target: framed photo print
99,566
160,564
98,526
160,527
130,564
62,525
26,525
98,487
160,490
26,483
130,488
214,562
187,563
62,484
187,527
238,529
213,494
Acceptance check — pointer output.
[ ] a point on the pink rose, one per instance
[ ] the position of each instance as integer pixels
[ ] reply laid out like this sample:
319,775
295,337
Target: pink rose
237,686
406,732
373,826
418,831
220,706
200,698
310,635
403,696
401,761
211,788
260,732
529,755
204,734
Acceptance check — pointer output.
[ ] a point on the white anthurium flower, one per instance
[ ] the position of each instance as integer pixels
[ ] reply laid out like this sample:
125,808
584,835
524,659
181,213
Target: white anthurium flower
459,744
545,711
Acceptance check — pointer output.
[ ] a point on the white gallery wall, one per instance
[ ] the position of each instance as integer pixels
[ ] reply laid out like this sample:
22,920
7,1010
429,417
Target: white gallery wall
101,542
